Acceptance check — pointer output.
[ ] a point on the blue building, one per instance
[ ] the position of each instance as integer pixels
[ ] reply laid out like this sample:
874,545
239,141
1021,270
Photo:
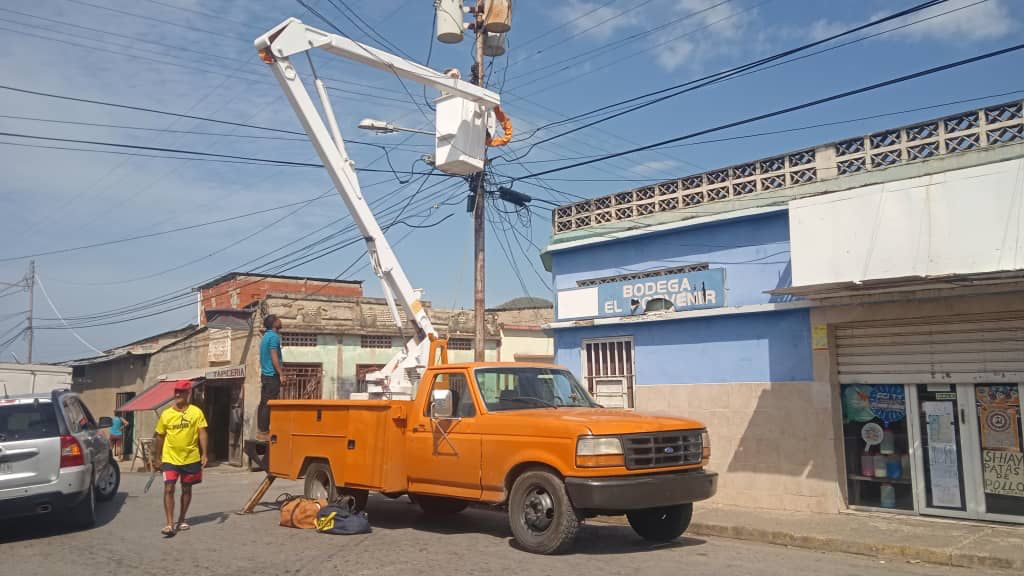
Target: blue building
804,307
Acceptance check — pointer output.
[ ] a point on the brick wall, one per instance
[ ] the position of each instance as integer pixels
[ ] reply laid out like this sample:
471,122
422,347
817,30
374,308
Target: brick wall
242,291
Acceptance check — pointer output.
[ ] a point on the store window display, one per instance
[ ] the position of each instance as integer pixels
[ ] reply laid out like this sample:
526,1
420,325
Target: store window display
877,446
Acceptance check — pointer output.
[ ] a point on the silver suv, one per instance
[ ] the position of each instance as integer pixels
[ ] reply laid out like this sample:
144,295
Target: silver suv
53,458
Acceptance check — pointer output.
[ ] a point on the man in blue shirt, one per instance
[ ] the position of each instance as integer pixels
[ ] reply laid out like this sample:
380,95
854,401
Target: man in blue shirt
271,374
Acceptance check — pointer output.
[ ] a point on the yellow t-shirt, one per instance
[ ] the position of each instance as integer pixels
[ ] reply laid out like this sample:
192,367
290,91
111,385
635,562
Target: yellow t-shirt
181,434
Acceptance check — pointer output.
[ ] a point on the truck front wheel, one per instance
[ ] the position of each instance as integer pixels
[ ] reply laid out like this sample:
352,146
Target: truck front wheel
540,513
661,524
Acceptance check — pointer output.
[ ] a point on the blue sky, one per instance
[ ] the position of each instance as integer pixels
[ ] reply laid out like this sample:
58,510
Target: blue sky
169,55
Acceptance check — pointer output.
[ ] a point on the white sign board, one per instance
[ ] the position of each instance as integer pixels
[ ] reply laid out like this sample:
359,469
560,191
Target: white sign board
220,345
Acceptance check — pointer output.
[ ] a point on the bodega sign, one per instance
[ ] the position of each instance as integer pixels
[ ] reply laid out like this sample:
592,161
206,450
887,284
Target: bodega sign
690,291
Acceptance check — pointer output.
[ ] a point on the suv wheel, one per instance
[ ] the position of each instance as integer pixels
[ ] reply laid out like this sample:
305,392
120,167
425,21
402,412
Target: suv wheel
541,515
108,481
84,513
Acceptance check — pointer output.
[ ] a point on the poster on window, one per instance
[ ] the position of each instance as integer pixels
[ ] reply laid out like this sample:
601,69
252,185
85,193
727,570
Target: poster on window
943,454
999,417
1003,472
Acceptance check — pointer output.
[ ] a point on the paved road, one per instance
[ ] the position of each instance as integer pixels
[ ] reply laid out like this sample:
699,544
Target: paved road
127,541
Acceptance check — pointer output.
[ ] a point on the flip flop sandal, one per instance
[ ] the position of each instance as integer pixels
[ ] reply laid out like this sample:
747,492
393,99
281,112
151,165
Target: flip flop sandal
183,526
168,531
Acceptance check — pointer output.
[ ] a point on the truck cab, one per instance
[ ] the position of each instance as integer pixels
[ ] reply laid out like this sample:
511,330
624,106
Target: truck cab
524,436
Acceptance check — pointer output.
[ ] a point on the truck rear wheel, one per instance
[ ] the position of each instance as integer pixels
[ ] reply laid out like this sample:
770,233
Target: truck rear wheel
439,505
540,513
661,524
320,482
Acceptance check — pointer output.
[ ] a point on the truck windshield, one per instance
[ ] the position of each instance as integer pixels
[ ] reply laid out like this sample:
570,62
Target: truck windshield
515,388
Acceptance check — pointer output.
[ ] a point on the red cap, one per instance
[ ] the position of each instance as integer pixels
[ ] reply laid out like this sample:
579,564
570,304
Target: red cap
182,386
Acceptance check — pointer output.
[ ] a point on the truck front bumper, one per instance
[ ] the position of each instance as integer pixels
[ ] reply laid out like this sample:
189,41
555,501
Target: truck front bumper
622,493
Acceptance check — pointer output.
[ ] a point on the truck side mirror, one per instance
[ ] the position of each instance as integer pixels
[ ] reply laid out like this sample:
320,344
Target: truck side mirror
441,404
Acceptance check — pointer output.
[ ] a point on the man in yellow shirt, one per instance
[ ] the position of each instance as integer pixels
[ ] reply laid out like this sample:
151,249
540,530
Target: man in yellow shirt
181,445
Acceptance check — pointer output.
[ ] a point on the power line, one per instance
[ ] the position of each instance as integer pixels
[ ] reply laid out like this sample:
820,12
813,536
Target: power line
150,110
707,80
564,24
55,311
269,161
189,27
809,104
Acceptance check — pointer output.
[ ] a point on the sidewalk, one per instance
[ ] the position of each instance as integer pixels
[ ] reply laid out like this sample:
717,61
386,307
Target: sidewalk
935,541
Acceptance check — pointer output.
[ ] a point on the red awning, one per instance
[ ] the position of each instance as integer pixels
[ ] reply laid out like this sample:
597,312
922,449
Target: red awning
153,397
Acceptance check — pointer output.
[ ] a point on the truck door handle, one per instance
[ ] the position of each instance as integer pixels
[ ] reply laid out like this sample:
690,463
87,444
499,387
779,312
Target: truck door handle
420,428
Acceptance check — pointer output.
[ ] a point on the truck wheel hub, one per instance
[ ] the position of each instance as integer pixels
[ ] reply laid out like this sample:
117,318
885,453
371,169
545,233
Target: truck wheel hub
538,510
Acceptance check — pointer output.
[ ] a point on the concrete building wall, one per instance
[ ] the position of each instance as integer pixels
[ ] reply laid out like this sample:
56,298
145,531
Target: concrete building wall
241,291
754,252
529,343
749,376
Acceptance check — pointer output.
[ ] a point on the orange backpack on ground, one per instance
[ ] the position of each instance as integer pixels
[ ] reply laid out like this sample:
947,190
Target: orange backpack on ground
298,511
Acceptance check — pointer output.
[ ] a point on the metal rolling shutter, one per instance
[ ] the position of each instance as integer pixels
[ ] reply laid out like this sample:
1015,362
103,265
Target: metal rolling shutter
947,349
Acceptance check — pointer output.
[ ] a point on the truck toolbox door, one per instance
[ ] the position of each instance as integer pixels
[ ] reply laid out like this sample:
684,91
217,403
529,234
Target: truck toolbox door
443,454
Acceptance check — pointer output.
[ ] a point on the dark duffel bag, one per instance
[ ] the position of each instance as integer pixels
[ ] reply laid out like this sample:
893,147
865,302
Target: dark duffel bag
341,517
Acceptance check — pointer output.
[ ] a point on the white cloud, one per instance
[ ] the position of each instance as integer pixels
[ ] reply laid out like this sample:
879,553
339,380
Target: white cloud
823,28
985,21
593,19
655,166
708,29
955,21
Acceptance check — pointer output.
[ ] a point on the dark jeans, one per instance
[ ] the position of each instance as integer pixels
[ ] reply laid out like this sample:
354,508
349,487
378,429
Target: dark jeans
271,390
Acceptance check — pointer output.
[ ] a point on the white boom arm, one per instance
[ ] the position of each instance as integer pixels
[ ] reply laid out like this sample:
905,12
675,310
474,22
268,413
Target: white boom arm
292,37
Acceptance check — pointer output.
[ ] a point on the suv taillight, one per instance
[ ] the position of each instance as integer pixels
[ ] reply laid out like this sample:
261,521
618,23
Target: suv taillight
70,452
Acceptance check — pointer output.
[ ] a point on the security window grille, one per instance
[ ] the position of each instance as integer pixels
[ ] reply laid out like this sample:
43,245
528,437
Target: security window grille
641,275
302,382
122,398
460,344
608,371
370,341
298,339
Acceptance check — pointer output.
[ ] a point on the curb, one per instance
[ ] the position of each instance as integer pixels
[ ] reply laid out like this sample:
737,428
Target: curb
946,557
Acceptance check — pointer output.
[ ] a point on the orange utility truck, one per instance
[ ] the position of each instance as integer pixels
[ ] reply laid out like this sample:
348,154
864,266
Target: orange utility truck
526,436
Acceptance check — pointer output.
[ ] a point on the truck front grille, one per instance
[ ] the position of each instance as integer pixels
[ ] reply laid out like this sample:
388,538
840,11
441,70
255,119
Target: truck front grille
662,449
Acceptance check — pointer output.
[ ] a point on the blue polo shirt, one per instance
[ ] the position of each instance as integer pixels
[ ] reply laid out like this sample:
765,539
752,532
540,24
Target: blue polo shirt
270,341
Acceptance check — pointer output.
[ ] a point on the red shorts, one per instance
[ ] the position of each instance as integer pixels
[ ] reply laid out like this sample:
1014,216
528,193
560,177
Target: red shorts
189,473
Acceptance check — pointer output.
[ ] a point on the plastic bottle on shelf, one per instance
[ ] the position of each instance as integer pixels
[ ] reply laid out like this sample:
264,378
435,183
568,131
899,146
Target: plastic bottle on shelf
867,464
888,496
880,466
894,468
888,445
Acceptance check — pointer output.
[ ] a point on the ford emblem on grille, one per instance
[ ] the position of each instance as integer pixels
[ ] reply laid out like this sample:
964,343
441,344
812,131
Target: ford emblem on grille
669,450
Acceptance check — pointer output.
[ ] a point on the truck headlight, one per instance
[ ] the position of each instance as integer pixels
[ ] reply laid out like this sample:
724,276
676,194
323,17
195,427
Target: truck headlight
705,442
599,451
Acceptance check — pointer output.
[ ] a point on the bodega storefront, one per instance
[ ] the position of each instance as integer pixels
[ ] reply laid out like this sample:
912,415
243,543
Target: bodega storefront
930,408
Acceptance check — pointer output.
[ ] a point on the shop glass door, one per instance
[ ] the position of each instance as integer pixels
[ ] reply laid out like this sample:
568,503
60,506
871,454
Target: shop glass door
941,485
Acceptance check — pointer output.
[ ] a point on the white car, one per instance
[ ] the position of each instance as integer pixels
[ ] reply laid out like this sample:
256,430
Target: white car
53,458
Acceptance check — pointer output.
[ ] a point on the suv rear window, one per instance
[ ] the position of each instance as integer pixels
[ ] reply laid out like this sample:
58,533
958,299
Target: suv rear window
28,422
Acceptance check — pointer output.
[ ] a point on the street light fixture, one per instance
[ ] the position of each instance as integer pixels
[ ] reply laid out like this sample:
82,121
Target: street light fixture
382,127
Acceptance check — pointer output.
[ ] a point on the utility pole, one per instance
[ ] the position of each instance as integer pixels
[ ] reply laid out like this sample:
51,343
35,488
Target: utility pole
31,281
477,190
